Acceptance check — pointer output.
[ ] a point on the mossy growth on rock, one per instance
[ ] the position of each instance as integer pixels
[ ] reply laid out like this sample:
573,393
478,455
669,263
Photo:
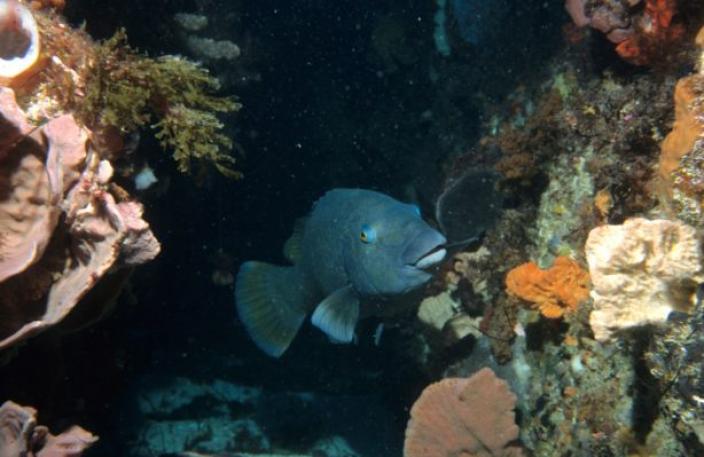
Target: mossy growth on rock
172,95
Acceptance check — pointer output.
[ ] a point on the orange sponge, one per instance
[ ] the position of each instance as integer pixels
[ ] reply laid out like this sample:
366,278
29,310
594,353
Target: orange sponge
688,125
554,291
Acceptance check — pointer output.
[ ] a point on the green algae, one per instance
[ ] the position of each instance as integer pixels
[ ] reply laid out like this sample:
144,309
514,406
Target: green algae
171,95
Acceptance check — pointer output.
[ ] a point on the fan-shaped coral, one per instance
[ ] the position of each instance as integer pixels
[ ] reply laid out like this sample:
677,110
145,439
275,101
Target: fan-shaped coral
470,417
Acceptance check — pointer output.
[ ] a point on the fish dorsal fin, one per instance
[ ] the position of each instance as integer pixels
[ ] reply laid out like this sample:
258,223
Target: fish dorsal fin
292,247
337,314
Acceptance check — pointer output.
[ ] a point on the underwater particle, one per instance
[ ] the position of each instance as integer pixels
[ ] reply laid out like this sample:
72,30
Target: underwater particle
470,417
145,178
641,271
555,291
19,42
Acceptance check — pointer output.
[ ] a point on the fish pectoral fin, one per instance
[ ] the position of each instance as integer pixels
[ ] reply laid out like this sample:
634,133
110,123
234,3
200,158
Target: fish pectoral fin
337,314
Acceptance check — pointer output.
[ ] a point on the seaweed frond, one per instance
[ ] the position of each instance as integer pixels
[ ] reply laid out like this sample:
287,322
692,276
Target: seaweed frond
172,95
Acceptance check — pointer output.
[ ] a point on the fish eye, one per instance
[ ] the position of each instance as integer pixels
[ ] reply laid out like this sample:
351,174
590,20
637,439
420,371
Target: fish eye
367,234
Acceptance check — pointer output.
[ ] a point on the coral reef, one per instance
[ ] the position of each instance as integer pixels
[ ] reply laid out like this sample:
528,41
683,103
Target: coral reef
580,150
578,396
70,105
675,359
563,205
472,417
114,91
641,271
680,169
688,125
20,436
62,227
555,291
656,34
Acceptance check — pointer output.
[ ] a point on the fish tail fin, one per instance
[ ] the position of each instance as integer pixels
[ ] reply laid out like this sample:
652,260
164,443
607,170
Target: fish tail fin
270,304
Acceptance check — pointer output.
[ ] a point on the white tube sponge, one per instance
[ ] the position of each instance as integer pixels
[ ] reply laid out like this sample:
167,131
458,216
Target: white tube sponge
641,271
19,39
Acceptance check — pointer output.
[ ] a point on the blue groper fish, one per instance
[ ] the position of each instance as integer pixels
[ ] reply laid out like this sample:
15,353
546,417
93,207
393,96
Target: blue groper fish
355,245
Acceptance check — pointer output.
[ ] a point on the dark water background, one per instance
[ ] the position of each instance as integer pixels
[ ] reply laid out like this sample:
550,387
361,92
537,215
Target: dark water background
323,115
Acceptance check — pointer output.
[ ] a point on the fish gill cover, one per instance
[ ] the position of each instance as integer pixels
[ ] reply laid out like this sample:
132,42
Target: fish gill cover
562,138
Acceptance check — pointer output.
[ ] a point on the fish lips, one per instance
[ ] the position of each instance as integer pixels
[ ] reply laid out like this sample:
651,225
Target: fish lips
426,250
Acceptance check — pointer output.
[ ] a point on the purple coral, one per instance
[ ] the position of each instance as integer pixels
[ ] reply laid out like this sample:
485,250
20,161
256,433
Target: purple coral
611,17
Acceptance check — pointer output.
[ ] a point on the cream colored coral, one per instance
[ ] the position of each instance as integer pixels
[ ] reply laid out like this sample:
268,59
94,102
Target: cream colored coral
436,310
640,272
442,313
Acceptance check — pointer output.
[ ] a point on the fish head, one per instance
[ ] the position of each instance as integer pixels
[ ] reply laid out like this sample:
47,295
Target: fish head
391,249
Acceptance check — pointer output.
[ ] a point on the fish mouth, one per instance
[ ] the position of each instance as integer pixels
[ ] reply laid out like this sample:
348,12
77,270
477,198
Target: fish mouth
430,258
427,249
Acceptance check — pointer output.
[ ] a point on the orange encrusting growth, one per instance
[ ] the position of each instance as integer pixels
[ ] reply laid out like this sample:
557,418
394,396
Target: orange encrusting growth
554,291
688,126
